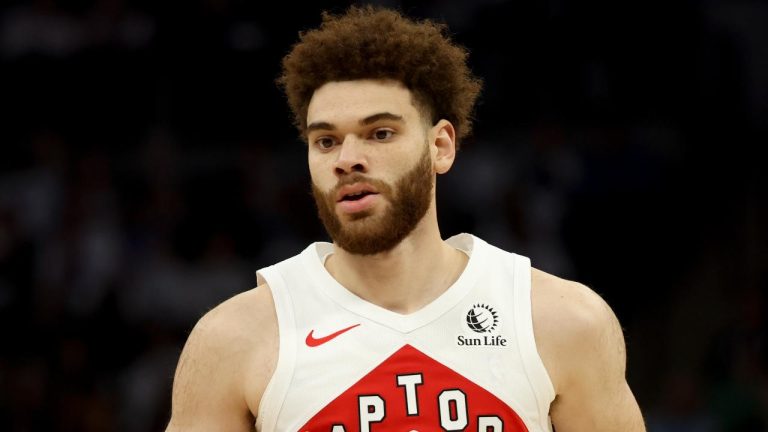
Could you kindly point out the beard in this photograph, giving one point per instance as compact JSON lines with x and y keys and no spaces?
{"x":367,"y":234}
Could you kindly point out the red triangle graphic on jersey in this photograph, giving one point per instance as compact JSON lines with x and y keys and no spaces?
{"x":410,"y":391}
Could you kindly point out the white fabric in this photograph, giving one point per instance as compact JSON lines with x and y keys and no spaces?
{"x":308,"y":299}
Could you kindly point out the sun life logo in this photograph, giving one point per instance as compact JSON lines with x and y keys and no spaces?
{"x":481,"y":318}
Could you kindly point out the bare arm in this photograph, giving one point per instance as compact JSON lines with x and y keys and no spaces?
{"x":219,"y":378}
{"x":582,"y":345}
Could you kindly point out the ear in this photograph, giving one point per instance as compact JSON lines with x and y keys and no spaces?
{"x":444,"y":140}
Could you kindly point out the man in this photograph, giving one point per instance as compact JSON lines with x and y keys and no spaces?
{"x":390,"y":328}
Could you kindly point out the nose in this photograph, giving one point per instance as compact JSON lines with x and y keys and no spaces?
{"x":351,"y":157}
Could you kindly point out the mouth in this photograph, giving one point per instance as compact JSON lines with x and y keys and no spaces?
{"x":355,"y":192}
{"x":356,"y":196}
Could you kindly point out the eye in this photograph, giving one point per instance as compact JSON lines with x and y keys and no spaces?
{"x":383,"y":134}
{"x":325,"y":143}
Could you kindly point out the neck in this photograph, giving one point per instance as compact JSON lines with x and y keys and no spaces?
{"x":406,"y":278}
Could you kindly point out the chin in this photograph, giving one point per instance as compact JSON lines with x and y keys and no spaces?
{"x":358,"y":216}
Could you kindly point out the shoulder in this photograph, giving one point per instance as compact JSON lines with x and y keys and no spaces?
{"x":573,"y":327}
{"x":246,"y":317}
{"x":243,"y":330}
{"x":582,"y":346}
{"x":229,"y":356}
{"x":556,"y":297}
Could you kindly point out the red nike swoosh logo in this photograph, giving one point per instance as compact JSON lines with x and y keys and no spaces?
{"x":313,"y":341}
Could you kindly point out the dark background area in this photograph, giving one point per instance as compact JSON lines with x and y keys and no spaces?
{"x":148,"y":166}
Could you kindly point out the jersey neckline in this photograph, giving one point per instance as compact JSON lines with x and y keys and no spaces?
{"x":404,"y":323}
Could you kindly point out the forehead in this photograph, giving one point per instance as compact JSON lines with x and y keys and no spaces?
{"x":340,"y":101}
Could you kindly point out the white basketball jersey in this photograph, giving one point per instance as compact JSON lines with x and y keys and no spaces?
{"x":465,"y":362}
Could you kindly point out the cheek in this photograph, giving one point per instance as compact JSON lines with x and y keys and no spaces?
{"x":320,"y":170}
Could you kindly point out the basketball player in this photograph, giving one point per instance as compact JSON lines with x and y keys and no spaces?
{"x":391,"y":328}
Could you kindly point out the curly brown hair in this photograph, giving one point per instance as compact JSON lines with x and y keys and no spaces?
{"x":375,"y":43}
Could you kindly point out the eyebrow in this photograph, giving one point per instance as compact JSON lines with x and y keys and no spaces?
{"x":366,"y":121}
{"x":381,"y":116}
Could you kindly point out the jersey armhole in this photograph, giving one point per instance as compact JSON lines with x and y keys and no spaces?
{"x":538,"y":376}
{"x":274,"y":395}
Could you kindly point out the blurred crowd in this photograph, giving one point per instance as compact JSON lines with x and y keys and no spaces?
{"x":148,"y":167}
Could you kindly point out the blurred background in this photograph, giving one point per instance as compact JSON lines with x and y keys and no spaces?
{"x":148,"y":167}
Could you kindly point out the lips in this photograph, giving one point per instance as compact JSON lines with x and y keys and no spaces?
{"x":355,"y":192}
{"x":356,"y":198}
